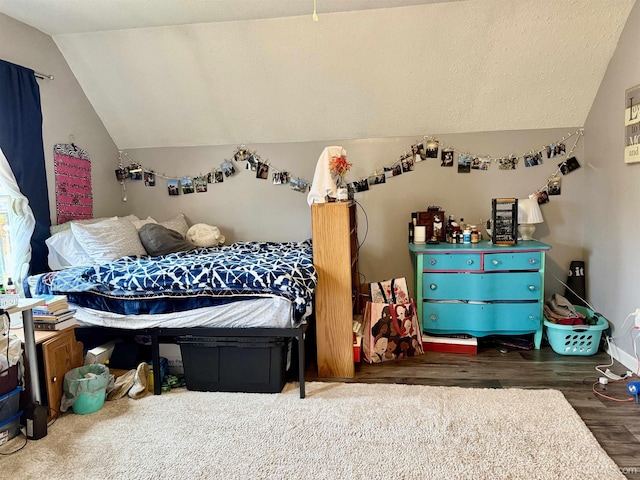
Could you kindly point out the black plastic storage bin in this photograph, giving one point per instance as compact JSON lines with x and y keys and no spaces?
{"x":234,"y":364}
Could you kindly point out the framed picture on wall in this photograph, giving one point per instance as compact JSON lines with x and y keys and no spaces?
{"x":632,"y":125}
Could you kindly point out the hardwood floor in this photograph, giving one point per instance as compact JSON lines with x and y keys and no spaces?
{"x":615,"y":425}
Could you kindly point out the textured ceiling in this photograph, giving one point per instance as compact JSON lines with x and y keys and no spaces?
{"x":426,"y":68}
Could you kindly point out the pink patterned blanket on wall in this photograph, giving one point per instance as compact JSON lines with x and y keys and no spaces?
{"x":74,"y":197}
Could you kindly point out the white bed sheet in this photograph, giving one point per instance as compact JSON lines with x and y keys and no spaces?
{"x":265,"y":312}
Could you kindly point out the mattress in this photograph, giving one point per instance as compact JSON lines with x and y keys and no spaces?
{"x":266,"y":312}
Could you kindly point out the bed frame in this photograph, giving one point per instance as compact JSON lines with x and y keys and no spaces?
{"x":166,"y":335}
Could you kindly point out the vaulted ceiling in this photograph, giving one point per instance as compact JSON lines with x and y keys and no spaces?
{"x":189,"y":72}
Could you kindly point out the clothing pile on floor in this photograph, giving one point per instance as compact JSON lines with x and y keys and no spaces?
{"x":133,"y":383}
{"x":558,"y":309}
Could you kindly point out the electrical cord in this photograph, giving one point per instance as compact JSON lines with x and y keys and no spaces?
{"x":366,"y":223}
{"x":600,"y":394}
{"x":26,"y":440}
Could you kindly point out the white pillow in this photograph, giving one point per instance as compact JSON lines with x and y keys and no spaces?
{"x":108,"y":240}
{"x":65,"y":251}
{"x":67,"y":225}
{"x":140,"y":223}
{"x":178,"y":223}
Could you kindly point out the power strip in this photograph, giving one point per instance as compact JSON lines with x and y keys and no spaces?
{"x":614,"y":376}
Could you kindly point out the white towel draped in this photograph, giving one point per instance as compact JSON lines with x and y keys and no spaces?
{"x":323,"y":183}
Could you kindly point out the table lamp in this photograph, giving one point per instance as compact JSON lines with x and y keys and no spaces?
{"x":528,"y":215}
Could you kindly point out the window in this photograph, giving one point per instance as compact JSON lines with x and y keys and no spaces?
{"x":5,"y":237}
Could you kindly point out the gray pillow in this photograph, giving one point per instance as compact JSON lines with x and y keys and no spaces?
{"x":159,"y":240}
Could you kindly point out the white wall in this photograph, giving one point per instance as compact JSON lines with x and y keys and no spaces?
{"x":246,"y":208}
{"x":65,"y":110}
{"x":612,"y":195}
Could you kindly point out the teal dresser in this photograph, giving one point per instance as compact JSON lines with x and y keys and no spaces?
{"x":480,"y":289}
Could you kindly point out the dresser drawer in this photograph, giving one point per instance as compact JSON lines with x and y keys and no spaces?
{"x":481,"y":319}
{"x":512,"y":261}
{"x":481,"y":286}
{"x":447,"y":261}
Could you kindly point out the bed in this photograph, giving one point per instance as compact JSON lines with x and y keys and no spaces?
{"x":246,"y":289}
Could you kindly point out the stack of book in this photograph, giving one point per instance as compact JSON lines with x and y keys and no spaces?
{"x":55,"y":314}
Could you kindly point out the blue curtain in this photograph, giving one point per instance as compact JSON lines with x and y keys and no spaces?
{"x":21,"y":142}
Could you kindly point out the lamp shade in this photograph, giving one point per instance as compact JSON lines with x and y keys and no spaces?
{"x":529,"y":211}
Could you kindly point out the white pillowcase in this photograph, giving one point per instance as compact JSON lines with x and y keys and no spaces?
{"x":140,"y":223}
{"x":178,"y":223}
{"x":108,"y":240}
{"x":67,"y":225}
{"x":65,"y":251}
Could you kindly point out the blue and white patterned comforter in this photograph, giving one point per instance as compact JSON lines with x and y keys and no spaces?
{"x":241,"y":269}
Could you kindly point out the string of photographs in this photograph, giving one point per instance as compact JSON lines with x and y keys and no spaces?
{"x":430,"y":149}
{"x":186,"y":184}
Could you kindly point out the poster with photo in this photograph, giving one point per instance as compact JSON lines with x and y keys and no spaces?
{"x":555,"y":185}
{"x":262,"y":171}
{"x":419,"y":152}
{"x":280,"y":178}
{"x":377,"y":178}
{"x":407,"y":163}
{"x":543,"y":196}
{"x":252,"y":163}
{"x":135,"y":172}
{"x":299,"y":185}
{"x":173,"y":186}
{"x":228,"y":168}
{"x":241,"y":154}
{"x":533,"y":160}
{"x":218,"y":176}
{"x":464,"y":164}
{"x":508,"y":163}
{"x":485,"y":164}
{"x":446,"y":159}
{"x":360,"y":185}
{"x":200,"y":184}
{"x":187,"y":185}
{"x":149,"y":179}
{"x":431,"y":147}
{"x":569,"y":165}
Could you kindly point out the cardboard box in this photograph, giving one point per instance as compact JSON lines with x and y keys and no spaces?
{"x":99,"y":354}
{"x":172,"y":353}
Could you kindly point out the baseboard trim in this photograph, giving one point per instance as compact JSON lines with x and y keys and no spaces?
{"x":624,"y":358}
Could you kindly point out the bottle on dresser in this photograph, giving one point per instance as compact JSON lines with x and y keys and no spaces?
{"x":448,"y":231}
{"x":10,"y":289}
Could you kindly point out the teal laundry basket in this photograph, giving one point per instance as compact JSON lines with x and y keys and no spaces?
{"x":576,"y":339}
{"x":85,"y":388}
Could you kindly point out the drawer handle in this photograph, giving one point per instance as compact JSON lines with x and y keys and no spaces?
{"x":495,"y":262}
{"x":531,"y":317}
{"x":433,"y":317}
{"x":432,"y":261}
{"x":469,"y":262}
{"x":532,"y":261}
{"x":433,"y":286}
{"x":54,"y":379}
{"x":532,"y":287}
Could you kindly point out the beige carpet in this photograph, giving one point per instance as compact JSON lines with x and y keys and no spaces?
{"x":340,"y":431}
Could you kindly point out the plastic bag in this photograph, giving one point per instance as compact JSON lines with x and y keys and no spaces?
{"x":88,"y":379}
